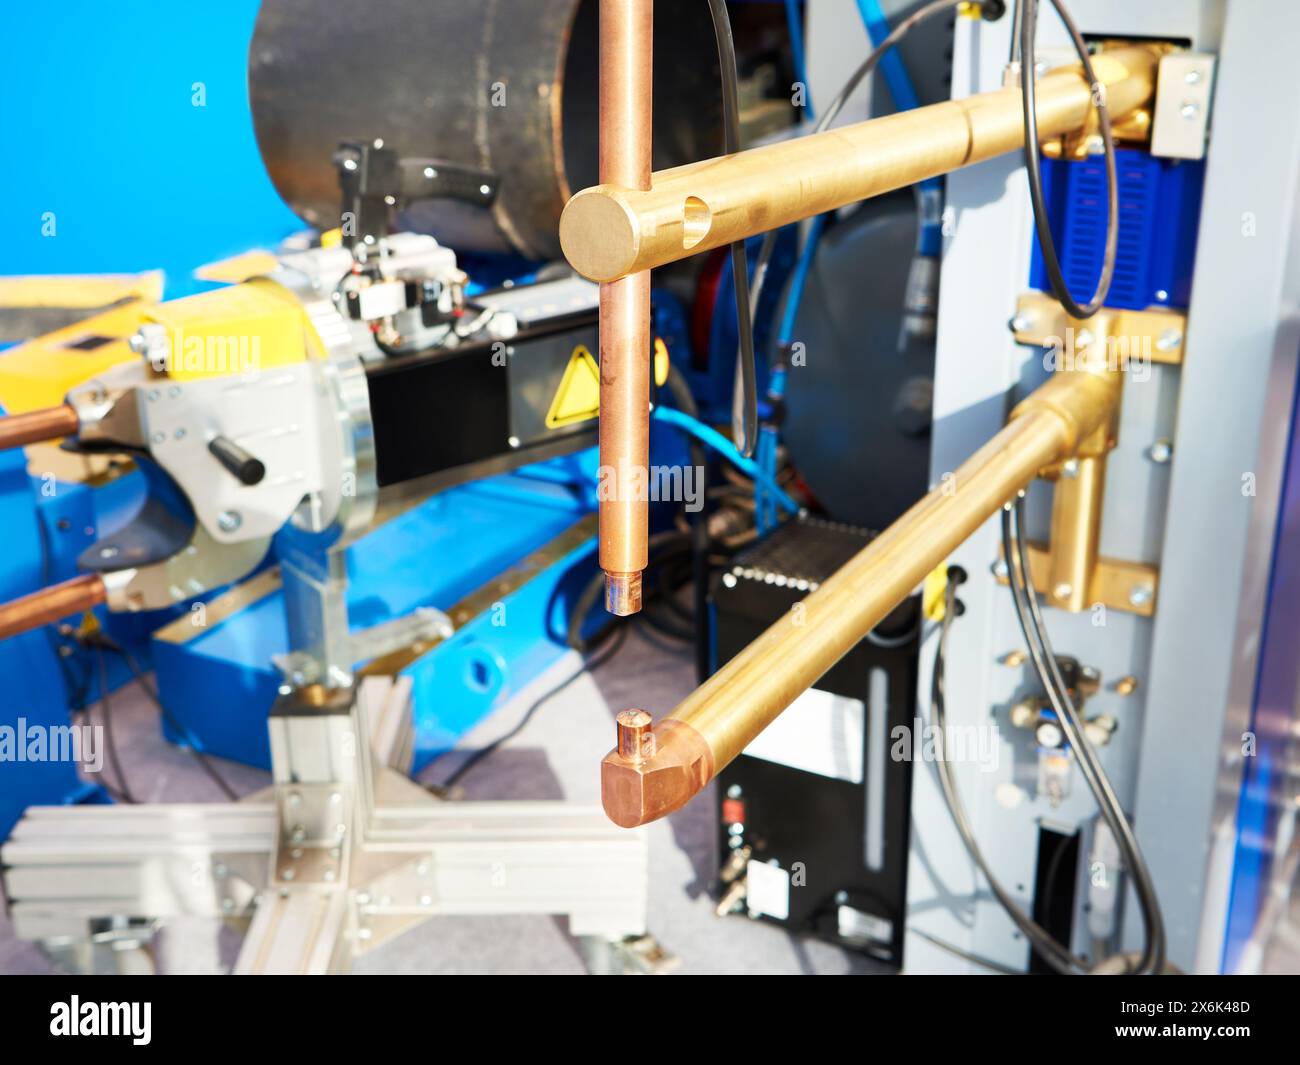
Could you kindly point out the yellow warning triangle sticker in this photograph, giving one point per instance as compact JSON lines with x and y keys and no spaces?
{"x":578,"y":397}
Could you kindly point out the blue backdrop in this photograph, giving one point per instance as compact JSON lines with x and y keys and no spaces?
{"x":129,"y":124}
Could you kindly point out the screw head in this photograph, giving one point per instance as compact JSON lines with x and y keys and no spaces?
{"x":1161,"y":452}
{"x":1063,"y":590}
{"x":1140,"y":594}
{"x":229,"y":520}
{"x":999,"y":569}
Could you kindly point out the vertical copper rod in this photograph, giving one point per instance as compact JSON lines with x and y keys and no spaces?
{"x":50,"y":604}
{"x":19,"y":430}
{"x":626,"y":35}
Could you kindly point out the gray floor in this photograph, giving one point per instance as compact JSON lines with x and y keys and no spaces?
{"x":557,"y":756}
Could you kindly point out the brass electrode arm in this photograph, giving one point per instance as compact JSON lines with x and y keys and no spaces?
{"x":655,"y":770}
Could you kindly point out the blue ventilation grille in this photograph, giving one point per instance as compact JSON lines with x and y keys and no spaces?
{"x":1159,"y":208}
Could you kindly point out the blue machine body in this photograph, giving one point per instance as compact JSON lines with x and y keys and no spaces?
{"x":1159,"y":212}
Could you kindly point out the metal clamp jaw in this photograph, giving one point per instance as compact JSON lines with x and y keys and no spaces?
{"x":230,"y":461}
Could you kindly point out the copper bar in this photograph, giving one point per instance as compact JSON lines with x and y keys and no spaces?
{"x":51,"y":423}
{"x":51,"y":604}
{"x":1076,"y":533}
{"x":626,"y":34}
{"x":612,"y":230}
{"x":715,"y":723}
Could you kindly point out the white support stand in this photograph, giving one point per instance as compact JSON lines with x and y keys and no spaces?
{"x":343,"y":853}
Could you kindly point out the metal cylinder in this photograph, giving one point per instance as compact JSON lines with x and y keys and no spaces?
{"x":50,"y":604}
{"x":608,"y":232}
{"x":719,"y":720}
{"x":32,"y":427}
{"x":505,"y":85}
{"x":626,"y":114}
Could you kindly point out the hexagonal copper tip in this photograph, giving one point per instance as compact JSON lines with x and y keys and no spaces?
{"x":651,"y":773}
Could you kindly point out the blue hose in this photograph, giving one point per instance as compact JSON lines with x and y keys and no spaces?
{"x":724,"y":447}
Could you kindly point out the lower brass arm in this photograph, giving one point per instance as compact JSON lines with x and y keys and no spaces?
{"x":652,"y":772}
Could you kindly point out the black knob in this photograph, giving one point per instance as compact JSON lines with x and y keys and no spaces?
{"x":248,"y":469}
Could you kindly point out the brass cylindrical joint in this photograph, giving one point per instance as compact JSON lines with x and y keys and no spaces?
{"x":626,"y":36}
{"x":721,"y":718}
{"x":50,"y":604}
{"x":33,"y":427}
{"x":612,"y":229}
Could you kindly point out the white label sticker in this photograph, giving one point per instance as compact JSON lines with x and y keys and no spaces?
{"x":767,"y":890}
{"x":819,"y":733}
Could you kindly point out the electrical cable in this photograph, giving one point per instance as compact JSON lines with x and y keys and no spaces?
{"x":1016,"y":551}
{"x":745,"y":405}
{"x":832,"y":112}
{"x":1033,"y":163}
{"x":710,"y":436}
{"x":588,"y":665}
{"x":965,"y":955}
{"x":106,"y":713}
{"x":1048,"y":948}
{"x":681,"y":393}
{"x":192,"y":745}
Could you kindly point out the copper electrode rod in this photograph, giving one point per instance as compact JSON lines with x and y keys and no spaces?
{"x":612,"y":230}
{"x":652,"y":772}
{"x":626,"y":35}
{"x":51,"y":423}
{"x":51,"y":604}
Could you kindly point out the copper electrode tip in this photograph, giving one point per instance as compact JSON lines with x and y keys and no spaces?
{"x":635,"y":740}
{"x":623,"y":593}
{"x":33,"y":427}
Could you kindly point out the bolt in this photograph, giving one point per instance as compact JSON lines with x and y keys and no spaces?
{"x":1161,"y":451}
{"x":299,"y":833}
{"x":1126,"y":685}
{"x":286,"y":874}
{"x":1014,"y":659}
{"x":1063,"y":590}
{"x":153,"y":395}
{"x":1169,"y":340}
{"x":999,"y":569}
{"x":108,"y":552}
{"x":158,"y":438}
{"x":1070,"y":468}
{"x":229,"y":520}
{"x":1021,"y":323}
{"x":1140,"y":594}
{"x":1192,"y":77}
{"x":513,"y":441}
{"x":180,"y":433}
{"x":1023,"y":715}
{"x":734,"y":792}
{"x":1189,"y":110}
